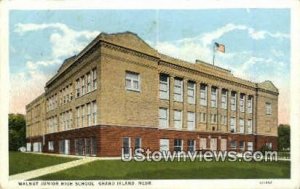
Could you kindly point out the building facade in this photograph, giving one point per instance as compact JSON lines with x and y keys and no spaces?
{"x":120,"y":92}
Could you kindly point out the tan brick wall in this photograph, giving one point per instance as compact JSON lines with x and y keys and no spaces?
{"x":35,"y":117}
{"x":119,"y":106}
{"x":267,"y":124}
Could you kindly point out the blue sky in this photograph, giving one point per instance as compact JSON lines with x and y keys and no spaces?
{"x":257,"y":42}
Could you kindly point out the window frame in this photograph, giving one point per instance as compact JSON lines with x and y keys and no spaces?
{"x":233,"y":101}
{"x":178,"y":146}
{"x":233,"y":124}
{"x":224,"y":99}
{"x":164,"y":94}
{"x":178,"y":120}
{"x":268,"y":108}
{"x":166,"y":119}
{"x":191,"y":98}
{"x":129,"y":77}
{"x":178,"y":96}
{"x":242,"y":125}
{"x":191,"y":120}
{"x":250,"y":105}
{"x":203,"y":94}
{"x":191,"y":148}
{"x":242,"y":102}
{"x":214,"y":97}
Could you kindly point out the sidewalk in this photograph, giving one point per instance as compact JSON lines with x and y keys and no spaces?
{"x":51,"y":169}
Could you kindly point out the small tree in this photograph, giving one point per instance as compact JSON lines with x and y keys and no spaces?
{"x":283,"y":137}
{"x":17,"y":131}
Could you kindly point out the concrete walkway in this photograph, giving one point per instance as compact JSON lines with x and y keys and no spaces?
{"x":51,"y":169}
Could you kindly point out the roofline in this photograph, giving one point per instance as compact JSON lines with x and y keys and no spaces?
{"x":158,"y":57}
{"x":35,"y":100}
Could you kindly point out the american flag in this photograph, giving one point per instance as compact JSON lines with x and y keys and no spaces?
{"x":220,"y":47}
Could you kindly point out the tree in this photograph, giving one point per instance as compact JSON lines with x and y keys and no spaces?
{"x":17,"y":131}
{"x":283,"y":137}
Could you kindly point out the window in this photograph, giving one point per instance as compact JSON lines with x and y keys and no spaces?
{"x":89,"y":116}
{"x":163,"y":86}
{"x":233,"y":101}
{"x":233,"y":144}
{"x":178,"y":145}
{"x":82,"y":85}
{"x":203,"y":117}
{"x":268,"y":108}
{"x":191,"y":145}
{"x":214,"y":97}
{"x":269,"y":145}
{"x":249,"y":126}
{"x":89,"y":82}
{"x":203,"y":95}
{"x":78,"y":88}
{"x":164,"y":145}
{"x":71,"y":92}
{"x":213,"y":118}
{"x":178,"y":90}
{"x":242,"y":145}
{"x":94,"y":73}
{"x":232,"y":125}
{"x":242,"y":102}
{"x":163,"y":118}
{"x":70,"y":119}
{"x":132,"y":81}
{"x":213,"y":144}
{"x":61,"y":146}
{"x":191,"y":92}
{"x":224,"y":99}
{"x":191,"y":120}
{"x":82,"y":116}
{"x":203,"y":145}
{"x":242,"y":125}
{"x":223,"y":119}
{"x":78,"y":117}
{"x":137,"y":143}
{"x":249,"y":105}
{"x":178,"y":119}
{"x":126,"y":146}
{"x":250,"y":146}
{"x":94,"y":112}
{"x":51,"y":145}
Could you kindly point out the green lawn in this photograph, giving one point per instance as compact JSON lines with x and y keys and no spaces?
{"x":116,"y":169}
{"x":22,"y":162}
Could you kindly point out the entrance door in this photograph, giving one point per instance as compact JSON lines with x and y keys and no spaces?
{"x":164,"y":145}
{"x":87,"y":147}
{"x":223,"y":144}
{"x":67,"y":147}
{"x":213,"y":144}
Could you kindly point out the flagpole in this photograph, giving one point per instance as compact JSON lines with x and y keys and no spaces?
{"x":214,"y":54}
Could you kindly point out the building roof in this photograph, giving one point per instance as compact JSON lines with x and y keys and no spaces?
{"x":133,"y":42}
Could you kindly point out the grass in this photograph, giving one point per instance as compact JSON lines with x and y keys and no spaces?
{"x":22,"y":162}
{"x":116,"y":169}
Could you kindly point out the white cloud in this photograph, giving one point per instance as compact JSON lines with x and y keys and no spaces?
{"x":64,"y":40}
{"x":209,"y":37}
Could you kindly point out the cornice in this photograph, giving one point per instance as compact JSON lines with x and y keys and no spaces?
{"x":207,"y":75}
{"x":128,"y":51}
